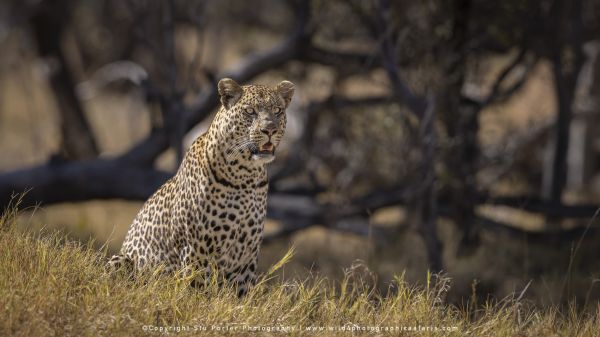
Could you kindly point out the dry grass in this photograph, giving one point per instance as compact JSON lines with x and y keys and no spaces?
{"x":50,"y":286}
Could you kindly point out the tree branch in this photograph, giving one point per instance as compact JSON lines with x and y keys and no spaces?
{"x":565,"y":235}
{"x":537,"y":205}
{"x":80,"y":181}
{"x":402,"y":91}
{"x":145,"y":152}
{"x":348,"y":62}
{"x":503,"y":75}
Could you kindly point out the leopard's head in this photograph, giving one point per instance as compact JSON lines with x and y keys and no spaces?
{"x":253,"y":119}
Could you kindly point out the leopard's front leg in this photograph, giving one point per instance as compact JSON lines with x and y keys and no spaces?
{"x":246,"y":278}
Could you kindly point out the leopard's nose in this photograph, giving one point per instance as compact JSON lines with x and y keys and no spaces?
{"x":269,"y":129}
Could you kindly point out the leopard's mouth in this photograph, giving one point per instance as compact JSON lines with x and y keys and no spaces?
{"x":266,"y":148}
{"x":265,"y":152}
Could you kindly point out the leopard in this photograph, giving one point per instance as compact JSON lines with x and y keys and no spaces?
{"x":210,"y":215}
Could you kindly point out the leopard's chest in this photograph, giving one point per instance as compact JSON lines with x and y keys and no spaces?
{"x":230,"y":224}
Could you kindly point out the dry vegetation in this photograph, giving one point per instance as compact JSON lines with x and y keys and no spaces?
{"x":51,"y":286}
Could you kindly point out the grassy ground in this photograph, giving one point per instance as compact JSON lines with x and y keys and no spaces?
{"x":50,"y":286}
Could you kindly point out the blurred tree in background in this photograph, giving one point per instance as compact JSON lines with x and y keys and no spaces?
{"x":398,"y":105}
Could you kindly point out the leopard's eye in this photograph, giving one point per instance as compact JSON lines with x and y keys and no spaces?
{"x":250,"y":111}
{"x":278,"y":111}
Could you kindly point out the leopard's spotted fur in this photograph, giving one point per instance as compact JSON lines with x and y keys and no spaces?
{"x":212,"y":212}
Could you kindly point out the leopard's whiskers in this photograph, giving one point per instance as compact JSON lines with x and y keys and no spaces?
{"x":233,"y":152}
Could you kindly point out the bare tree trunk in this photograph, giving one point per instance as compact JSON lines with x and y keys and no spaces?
{"x":461,"y":122}
{"x":567,"y":58}
{"x":427,"y":203}
{"x":173,"y":110}
{"x":77,"y":141}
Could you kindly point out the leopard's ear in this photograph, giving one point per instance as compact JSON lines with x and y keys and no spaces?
{"x":286,"y":91}
{"x":230,"y":92}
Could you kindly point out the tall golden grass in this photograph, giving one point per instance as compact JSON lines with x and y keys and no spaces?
{"x":51,"y":286}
